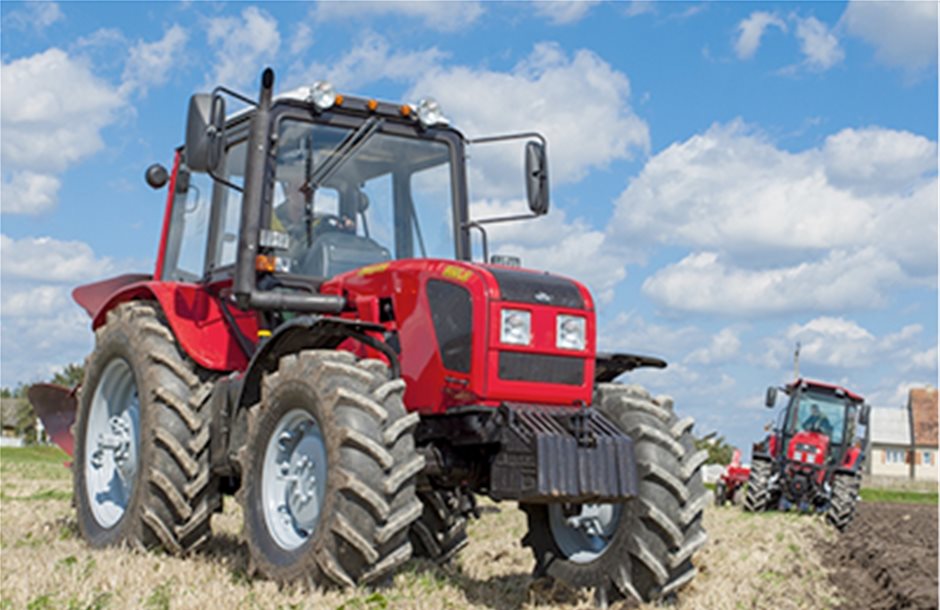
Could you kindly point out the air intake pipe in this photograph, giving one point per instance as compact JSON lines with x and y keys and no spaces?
{"x":245,"y":289}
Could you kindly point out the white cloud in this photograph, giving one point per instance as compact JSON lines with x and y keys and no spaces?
{"x":781,"y":230}
{"x":35,"y":15}
{"x":149,"y":63}
{"x":723,"y":346}
{"x":819,"y":46}
{"x":301,"y":39}
{"x":242,"y":47}
{"x":562,"y":12}
{"x":631,"y":332}
{"x":28,"y":192}
{"x":751,"y":30}
{"x":371,"y":60}
{"x":50,"y":260}
{"x":440,"y":16}
{"x":706,"y":283}
{"x":52,"y":112}
{"x":33,"y":301}
{"x":553,"y":243}
{"x":590,"y":132}
{"x":904,"y":34}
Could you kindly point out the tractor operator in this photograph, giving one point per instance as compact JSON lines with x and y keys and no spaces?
{"x":817,"y":422}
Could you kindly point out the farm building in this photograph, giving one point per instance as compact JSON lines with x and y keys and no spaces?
{"x":897,"y":435}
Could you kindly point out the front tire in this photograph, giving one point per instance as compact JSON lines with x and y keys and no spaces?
{"x":329,"y":470}
{"x":141,"y":472}
{"x":441,"y":532}
{"x":642,"y":548}
{"x":841,"y":509}
{"x":757,"y":498}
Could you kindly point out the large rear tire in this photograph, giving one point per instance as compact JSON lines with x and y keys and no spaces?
{"x":141,"y":471}
{"x":757,"y":498}
{"x":328,"y":472}
{"x":841,"y":509}
{"x":642,"y":548}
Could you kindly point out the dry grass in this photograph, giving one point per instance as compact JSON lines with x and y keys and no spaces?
{"x":750,"y":562}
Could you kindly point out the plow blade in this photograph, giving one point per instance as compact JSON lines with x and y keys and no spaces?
{"x":56,"y":406}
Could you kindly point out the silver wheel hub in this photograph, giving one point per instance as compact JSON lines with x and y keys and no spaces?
{"x":293,"y":477}
{"x":111,"y":443}
{"x":583,"y":532}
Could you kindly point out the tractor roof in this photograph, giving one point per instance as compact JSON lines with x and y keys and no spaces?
{"x":810,"y":383}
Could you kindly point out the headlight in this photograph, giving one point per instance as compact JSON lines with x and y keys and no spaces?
{"x":322,"y":94}
{"x":515,"y":326}
{"x":429,"y":113}
{"x":570,"y":332}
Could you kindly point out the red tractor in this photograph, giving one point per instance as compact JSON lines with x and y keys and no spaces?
{"x":731,"y":484}
{"x":316,"y":340}
{"x":812,"y":459}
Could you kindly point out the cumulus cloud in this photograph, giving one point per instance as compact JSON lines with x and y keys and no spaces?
{"x":722,"y":347}
{"x":819,"y":46}
{"x":774,"y":231}
{"x":598,"y":128}
{"x":149,"y":63}
{"x":562,"y":12}
{"x":242,"y":46}
{"x":34,"y":15}
{"x":440,"y":16}
{"x":372,"y":59}
{"x":904,"y":34}
{"x":50,"y":260}
{"x":52,"y":112}
{"x":751,"y":30}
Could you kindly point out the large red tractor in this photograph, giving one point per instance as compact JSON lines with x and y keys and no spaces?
{"x":316,"y":339}
{"x":812,"y":459}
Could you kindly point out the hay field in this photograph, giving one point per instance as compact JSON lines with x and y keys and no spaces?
{"x":750,"y":561}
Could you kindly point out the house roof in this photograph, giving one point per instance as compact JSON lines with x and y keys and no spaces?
{"x":889,"y":426}
{"x":923,"y":405}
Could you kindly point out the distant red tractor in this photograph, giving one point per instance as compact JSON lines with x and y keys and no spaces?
{"x":731,"y":483}
{"x":812,"y":459}
{"x":316,"y":339}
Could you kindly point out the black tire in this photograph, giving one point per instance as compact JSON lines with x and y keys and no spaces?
{"x":845,"y":488}
{"x":649,"y":556}
{"x":757,"y":498}
{"x":441,"y":532}
{"x":361,"y":534}
{"x":720,"y":492}
{"x":174,"y":494}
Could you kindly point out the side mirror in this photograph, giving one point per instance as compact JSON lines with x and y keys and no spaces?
{"x":536,"y":177}
{"x":771,"y":399}
{"x":205,"y":128}
{"x":864,"y":414}
{"x":156,"y":176}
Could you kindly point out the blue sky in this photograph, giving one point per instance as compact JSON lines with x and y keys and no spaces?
{"x":728,"y":178}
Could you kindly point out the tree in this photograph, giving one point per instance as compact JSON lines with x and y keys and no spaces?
{"x":719,"y":451}
{"x":70,"y":376}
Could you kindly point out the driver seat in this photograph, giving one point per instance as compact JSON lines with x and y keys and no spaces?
{"x":337,"y":252}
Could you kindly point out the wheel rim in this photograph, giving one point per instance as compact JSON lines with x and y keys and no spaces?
{"x":584,"y":531}
{"x":293,"y":479}
{"x":112,"y":440}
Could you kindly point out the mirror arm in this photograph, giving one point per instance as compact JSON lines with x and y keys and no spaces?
{"x":479,"y":227}
{"x":235,"y":94}
{"x":508,"y":136}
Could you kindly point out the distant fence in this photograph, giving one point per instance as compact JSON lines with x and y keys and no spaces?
{"x":900,"y":483}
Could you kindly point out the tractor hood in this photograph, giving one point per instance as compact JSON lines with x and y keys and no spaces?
{"x":471,"y":334}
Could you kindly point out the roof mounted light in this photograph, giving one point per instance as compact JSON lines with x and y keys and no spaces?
{"x":322,"y":95}
{"x":429,"y":112}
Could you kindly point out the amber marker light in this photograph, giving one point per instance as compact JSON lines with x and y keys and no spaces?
{"x":405,"y":110}
{"x":264,"y":262}
{"x":339,"y":100}
{"x":372,"y":105}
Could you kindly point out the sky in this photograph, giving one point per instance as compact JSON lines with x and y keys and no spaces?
{"x":728,"y":179}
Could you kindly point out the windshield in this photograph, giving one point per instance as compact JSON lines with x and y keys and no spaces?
{"x":347,"y":198}
{"x":821,"y":413}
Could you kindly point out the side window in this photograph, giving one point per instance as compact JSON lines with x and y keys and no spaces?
{"x":229,"y":207}
{"x":430,"y":191}
{"x":378,"y":213}
{"x":189,"y":227}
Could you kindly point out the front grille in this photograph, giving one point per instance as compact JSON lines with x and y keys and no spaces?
{"x":452,"y":316}
{"x":521,"y":366}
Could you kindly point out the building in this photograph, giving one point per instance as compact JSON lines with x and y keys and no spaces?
{"x":895,"y":436}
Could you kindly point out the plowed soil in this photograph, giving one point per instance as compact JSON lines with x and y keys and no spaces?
{"x":886,"y":558}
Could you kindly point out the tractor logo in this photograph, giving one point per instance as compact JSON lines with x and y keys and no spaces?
{"x":543,"y":297}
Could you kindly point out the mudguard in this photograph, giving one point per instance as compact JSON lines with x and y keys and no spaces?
{"x":56,"y":406}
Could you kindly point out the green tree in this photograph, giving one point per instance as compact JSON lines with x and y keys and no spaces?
{"x":70,"y":376}
{"x":719,"y":451}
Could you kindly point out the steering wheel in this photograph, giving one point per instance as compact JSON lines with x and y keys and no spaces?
{"x":333,"y":222}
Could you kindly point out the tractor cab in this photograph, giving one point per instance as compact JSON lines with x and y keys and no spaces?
{"x":819,"y":421}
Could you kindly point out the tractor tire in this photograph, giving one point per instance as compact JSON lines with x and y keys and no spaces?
{"x":441,"y":532}
{"x":645,"y":546}
{"x":757,"y":498}
{"x":841,"y":509}
{"x":720,"y":492}
{"x":141,"y":470}
{"x":328,"y":472}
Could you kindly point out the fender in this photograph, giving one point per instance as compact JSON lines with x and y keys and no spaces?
{"x":851,"y":461}
{"x":194,"y":314}
{"x":610,"y":366}
{"x":308,"y":332}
